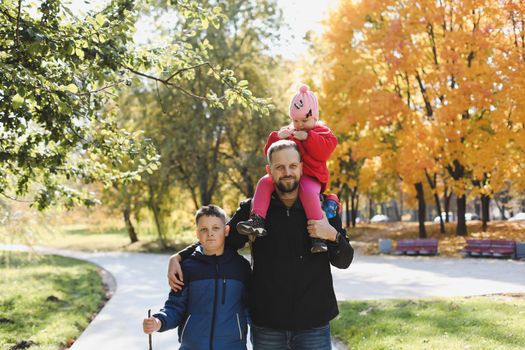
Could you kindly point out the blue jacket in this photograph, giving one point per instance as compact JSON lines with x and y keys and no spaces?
{"x":210,"y":311}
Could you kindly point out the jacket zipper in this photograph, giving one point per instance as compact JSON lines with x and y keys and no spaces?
{"x":223,"y":290}
{"x":287,"y":211}
{"x":239,"y":325}
{"x":184,"y":328}
{"x":214,"y":305}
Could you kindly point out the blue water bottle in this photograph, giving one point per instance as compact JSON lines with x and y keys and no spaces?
{"x":330,"y":208}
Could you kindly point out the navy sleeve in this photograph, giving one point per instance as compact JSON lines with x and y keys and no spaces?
{"x":172,"y":314}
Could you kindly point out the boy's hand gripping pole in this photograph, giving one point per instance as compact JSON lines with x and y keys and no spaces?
{"x":149,"y":335}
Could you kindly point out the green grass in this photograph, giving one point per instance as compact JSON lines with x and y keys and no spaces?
{"x":490,"y":322}
{"x":92,"y":237}
{"x":47,"y":299}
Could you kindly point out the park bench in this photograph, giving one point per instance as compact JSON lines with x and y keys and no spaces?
{"x":498,"y":248}
{"x":520,"y":250}
{"x":420,"y":246}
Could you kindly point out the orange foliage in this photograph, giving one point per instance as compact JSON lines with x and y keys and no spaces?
{"x":423,"y":84}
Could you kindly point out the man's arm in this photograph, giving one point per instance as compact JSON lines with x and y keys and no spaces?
{"x":175,"y":275}
{"x":235,"y":240}
{"x":339,"y":249}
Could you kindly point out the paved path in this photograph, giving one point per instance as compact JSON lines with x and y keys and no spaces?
{"x":141,"y":284}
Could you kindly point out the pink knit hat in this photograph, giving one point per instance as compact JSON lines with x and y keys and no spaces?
{"x":303,"y":104}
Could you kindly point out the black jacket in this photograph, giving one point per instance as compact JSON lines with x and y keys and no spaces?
{"x":291,"y":288}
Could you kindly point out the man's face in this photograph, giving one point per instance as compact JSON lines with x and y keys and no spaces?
{"x":211,"y":232}
{"x":285,"y":169}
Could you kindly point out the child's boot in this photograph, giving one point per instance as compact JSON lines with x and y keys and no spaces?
{"x":252,"y":227}
{"x":318,"y":246}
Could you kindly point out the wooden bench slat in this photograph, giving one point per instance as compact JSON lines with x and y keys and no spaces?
{"x":486,"y":247}
{"x":422,"y":246}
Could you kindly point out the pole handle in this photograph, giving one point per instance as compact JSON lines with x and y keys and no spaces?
{"x":149,"y":335}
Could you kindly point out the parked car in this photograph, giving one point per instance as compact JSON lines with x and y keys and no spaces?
{"x":518,"y":217}
{"x":471,"y":216}
{"x":451,"y":216}
{"x":379,"y":218}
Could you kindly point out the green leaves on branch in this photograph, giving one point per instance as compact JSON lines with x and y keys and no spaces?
{"x":59,"y":75}
{"x":56,"y":74}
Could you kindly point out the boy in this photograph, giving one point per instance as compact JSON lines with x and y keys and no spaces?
{"x":210,"y":310}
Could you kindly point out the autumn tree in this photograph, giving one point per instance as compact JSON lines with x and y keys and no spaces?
{"x":445,"y":66}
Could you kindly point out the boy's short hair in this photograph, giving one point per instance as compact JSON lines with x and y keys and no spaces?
{"x":210,"y":210}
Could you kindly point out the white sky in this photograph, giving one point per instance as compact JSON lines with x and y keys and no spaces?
{"x":300,"y":15}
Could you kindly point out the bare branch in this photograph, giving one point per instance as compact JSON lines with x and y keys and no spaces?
{"x":18,"y":23}
{"x":102,"y":89}
{"x":165,"y":82}
{"x":188,"y":68}
{"x":14,"y":199}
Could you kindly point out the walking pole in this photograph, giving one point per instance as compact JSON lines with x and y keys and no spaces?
{"x":149,"y":335}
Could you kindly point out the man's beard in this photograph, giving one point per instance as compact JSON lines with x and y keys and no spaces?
{"x":289,"y":186}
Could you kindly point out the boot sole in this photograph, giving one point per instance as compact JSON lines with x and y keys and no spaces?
{"x":250,"y":231}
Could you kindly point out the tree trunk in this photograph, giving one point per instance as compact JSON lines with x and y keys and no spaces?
{"x":396,"y":210}
{"x":477,"y":207}
{"x":347,"y":210}
{"x":370,"y":208}
{"x":355,"y":202}
{"x":401,"y":209}
{"x":461,"y":228}
{"x":438,"y":208}
{"x":501,"y":209}
{"x":432,"y":181}
{"x":421,"y":210}
{"x":447,"y":198}
{"x":159,"y":225}
{"x":129,"y":226}
{"x":485,"y":212}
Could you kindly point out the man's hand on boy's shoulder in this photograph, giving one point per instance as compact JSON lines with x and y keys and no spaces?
{"x":175,"y":275}
{"x":151,"y":325}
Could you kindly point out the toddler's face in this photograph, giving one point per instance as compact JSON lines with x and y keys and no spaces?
{"x":304,"y":124}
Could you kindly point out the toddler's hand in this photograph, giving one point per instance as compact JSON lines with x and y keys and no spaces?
{"x":300,"y":135}
{"x":284,"y":133}
{"x":151,"y":325}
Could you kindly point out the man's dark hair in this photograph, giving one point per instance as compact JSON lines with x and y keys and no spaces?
{"x":210,"y":210}
{"x":280,"y":145}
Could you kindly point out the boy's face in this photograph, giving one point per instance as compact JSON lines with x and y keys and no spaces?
{"x":211,"y":232}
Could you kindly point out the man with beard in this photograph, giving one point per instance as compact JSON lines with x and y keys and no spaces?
{"x":292,"y":299}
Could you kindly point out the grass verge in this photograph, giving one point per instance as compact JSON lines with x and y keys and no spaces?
{"x":46,"y":301}
{"x":487,"y":322}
